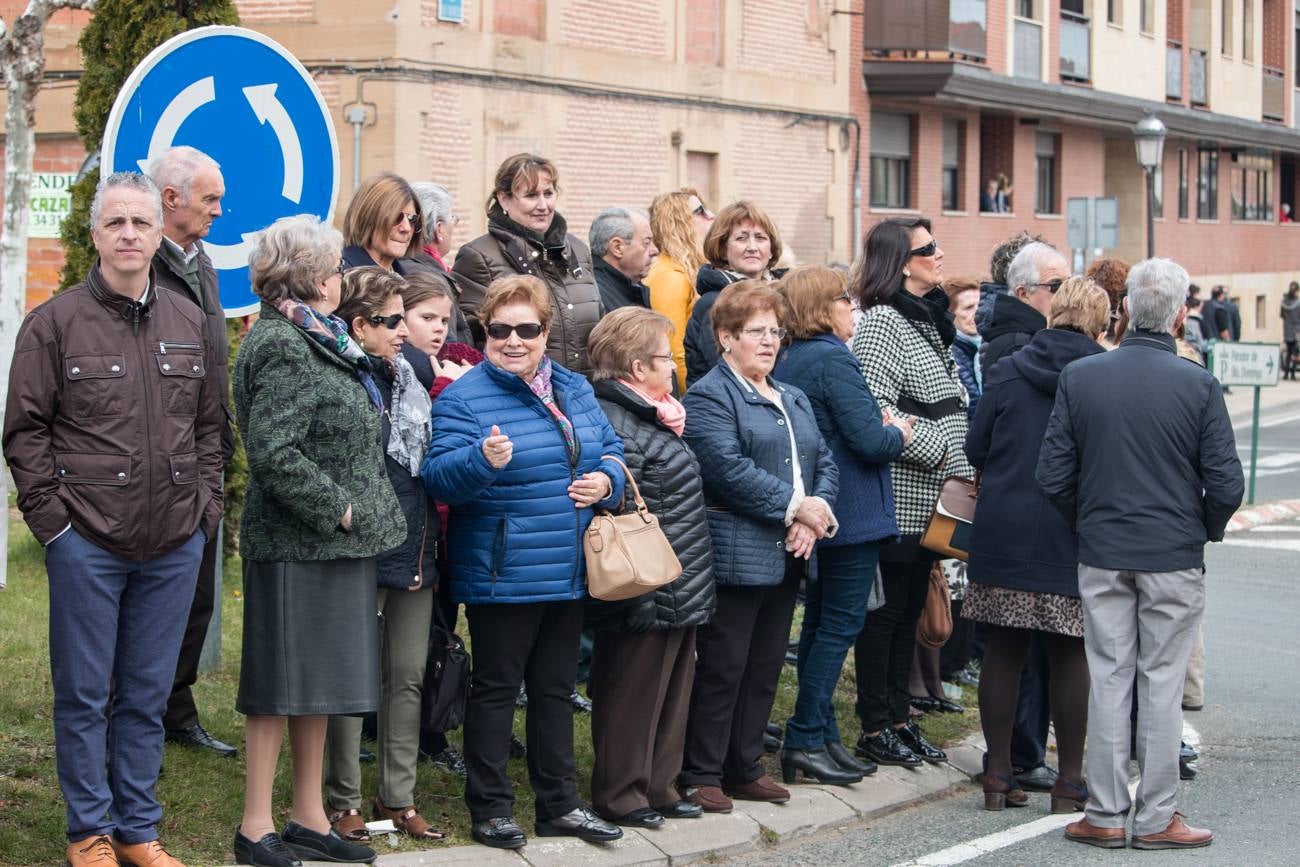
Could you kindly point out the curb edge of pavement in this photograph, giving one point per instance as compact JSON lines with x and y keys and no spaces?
{"x":1264,"y":513}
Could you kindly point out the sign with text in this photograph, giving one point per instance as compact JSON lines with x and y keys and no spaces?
{"x":51,"y":200}
{"x":1245,"y":363}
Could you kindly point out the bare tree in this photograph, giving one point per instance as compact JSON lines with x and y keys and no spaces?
{"x":22,"y":63}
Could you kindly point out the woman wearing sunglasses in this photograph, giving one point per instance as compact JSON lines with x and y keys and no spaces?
{"x":903,"y":344}
{"x":518,"y":453}
{"x":371,"y":304}
{"x":383,"y":224}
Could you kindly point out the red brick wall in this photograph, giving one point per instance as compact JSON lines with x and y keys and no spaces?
{"x":45,"y":255}
{"x":1052,"y":29}
{"x":526,"y":18}
{"x":631,"y":26}
{"x":996,"y":138}
{"x":784,"y":37}
{"x":1277,"y":32}
{"x":254,"y":11}
{"x":446,"y":141}
{"x":703,"y":30}
{"x":997,"y":36}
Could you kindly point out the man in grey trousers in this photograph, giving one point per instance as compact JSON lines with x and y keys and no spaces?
{"x":1140,"y":456}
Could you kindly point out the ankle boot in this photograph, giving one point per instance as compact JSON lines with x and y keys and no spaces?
{"x":817,"y":764}
{"x":1000,"y":791}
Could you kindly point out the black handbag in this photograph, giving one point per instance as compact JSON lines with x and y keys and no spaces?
{"x":446,"y":678}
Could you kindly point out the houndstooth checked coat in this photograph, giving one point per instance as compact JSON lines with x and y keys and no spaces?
{"x":910,"y":371}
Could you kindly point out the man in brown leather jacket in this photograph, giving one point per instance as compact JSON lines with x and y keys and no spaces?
{"x":113,"y":434}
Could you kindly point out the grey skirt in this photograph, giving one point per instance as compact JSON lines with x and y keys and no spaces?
{"x":311,"y":638}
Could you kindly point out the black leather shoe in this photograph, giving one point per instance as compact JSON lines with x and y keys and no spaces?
{"x":197,"y":736}
{"x":680,"y":810}
{"x":365,"y":756}
{"x":581,"y":704}
{"x":499,"y":832}
{"x":771,"y":744}
{"x":518,"y":750}
{"x":580,"y":823}
{"x":450,"y":760}
{"x":945,"y":706}
{"x":925,"y":704}
{"x":911,"y":735}
{"x":1039,"y":779}
{"x":642,"y":817}
{"x":270,"y":851}
{"x":842,"y":757}
{"x":1186,"y":752}
{"x":1185,"y":769}
{"x":311,"y":845}
{"x":817,"y":764}
{"x":886,"y":749}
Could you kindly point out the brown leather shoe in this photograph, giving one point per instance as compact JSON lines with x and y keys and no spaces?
{"x":710,"y":798}
{"x":150,"y":854}
{"x":1084,"y":831}
{"x":1179,"y":835}
{"x":762,"y":789}
{"x":94,"y":851}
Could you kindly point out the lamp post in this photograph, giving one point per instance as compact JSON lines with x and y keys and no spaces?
{"x":1149,"y":136}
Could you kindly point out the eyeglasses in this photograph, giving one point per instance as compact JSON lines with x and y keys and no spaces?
{"x":452,"y":220}
{"x":412,"y":219}
{"x":843,"y":296}
{"x":760,"y":333}
{"x":1051,"y":287}
{"x":525,"y":330}
{"x":928,"y":250}
{"x":389,"y":322}
{"x":340,"y":268}
{"x":702,"y":211}
{"x":667,"y":358}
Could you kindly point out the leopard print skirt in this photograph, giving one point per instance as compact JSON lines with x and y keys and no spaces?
{"x":1024,"y":609}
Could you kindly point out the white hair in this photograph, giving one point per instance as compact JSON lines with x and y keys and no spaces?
{"x":1028,"y":266}
{"x":1157,"y":290}
{"x":435,"y":202}
{"x":128,"y":180}
{"x":176,"y":167}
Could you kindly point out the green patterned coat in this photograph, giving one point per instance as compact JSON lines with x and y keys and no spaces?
{"x":314,"y":447}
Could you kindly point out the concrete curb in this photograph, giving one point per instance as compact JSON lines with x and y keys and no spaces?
{"x":1265,"y":513}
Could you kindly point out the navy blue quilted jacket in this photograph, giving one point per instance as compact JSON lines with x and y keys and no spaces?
{"x":743,"y":446}
{"x":514,"y":534}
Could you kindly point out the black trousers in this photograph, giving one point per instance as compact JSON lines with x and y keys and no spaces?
{"x":181,"y":711}
{"x":739,"y":658}
{"x":883,"y":652}
{"x":536,"y":643}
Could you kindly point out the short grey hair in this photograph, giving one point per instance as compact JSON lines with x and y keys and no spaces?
{"x":1027,"y":268}
{"x":609,"y":224}
{"x":435,"y":202}
{"x":176,"y":167}
{"x":126,"y":180}
{"x":1157,"y":290}
{"x":291,"y":255}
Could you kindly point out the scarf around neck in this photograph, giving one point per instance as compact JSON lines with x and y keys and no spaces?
{"x":554,"y":239}
{"x":669,"y":409}
{"x":332,"y":333}
{"x":540,"y":385}
{"x":931,"y":307}
{"x":410,"y":417}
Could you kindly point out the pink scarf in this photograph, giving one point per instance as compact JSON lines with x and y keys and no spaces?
{"x":671,"y":412}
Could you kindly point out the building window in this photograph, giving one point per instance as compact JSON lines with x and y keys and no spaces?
{"x":1207,"y":185}
{"x":1225,"y":38}
{"x":1046,"y":145}
{"x":1025,"y":8}
{"x":891,"y":160}
{"x":1248,"y":30}
{"x":1252,"y":187}
{"x":953,"y":130}
{"x":1182,"y":183}
{"x":1261,"y":311}
{"x":1115,"y":12}
{"x":1147,"y":16}
{"x":702,"y":174}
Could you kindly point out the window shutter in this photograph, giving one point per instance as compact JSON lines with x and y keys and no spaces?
{"x":951,"y":128}
{"x":891,"y":135}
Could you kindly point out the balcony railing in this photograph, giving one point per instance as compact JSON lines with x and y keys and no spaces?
{"x":1174,"y":71}
{"x":1274,"y":94}
{"x":1197,"y":77}
{"x":958,"y":28}
{"x":1076,"y":46}
{"x":1029,"y":49}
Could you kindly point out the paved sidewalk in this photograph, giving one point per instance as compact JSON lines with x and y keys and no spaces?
{"x":1274,"y":400}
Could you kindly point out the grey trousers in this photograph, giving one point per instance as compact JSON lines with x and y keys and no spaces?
{"x":1143,"y":621}
{"x":402,"y":657}
{"x":1194,"y":686}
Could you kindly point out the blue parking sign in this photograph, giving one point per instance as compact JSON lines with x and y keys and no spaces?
{"x":244,"y":100}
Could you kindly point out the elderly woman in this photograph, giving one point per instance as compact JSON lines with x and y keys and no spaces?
{"x":435,"y":246}
{"x":742,"y":244}
{"x":526,"y":235}
{"x":382,"y":224}
{"x":643,"y":663}
{"x":516,"y":556}
{"x":863,"y":443}
{"x":769,"y":480}
{"x":1024,"y":555}
{"x":318,"y":508}
{"x":679,"y":222}
{"x":903,"y":344}
{"x":371,"y":303}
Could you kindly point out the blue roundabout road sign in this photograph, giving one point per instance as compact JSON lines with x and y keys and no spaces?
{"x":244,"y":100}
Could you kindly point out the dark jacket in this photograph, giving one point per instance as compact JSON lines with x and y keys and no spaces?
{"x":1019,"y":540}
{"x":562,"y":261}
{"x":1140,"y":458}
{"x":668,"y":475}
{"x":849,"y":420}
{"x":514,"y":534}
{"x":422,"y":262}
{"x":1009,"y":325}
{"x":314,"y":448}
{"x":743,"y":446}
{"x":1234,"y":320}
{"x":112,"y":423}
{"x":617,"y":291}
{"x":1210,"y":323}
{"x":701,"y":348}
{"x":201,"y":288}
{"x":965,"y":351}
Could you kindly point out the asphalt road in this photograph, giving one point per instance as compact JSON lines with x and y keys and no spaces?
{"x":1277,"y":474}
{"x":1248,"y":786}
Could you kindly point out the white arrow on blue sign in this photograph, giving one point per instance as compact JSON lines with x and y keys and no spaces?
{"x":248,"y":103}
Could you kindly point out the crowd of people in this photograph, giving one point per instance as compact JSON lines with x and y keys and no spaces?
{"x":422,"y":437}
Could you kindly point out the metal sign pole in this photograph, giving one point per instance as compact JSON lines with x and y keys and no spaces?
{"x":1254,"y":448}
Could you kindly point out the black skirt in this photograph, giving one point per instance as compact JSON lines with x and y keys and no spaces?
{"x":311,"y":638}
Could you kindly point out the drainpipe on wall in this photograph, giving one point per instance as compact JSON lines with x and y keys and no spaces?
{"x":356,"y":115}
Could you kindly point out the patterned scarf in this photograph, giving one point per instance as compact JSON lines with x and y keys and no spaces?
{"x":541,"y":386}
{"x":412,"y":425}
{"x":332,"y":333}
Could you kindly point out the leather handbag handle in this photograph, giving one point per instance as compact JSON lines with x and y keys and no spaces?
{"x":636,"y":491}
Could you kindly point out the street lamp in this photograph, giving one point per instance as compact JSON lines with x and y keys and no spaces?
{"x":1149,"y":136}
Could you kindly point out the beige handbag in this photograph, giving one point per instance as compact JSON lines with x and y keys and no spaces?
{"x":628,"y":555}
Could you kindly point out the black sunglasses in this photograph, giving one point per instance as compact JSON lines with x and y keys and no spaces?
{"x":702,"y":211}
{"x":1050,"y":287}
{"x":389,"y":322}
{"x":525,"y":330}
{"x":928,"y":250}
{"x":413,"y":219}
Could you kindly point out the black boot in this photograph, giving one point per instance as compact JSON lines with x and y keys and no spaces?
{"x":842,"y":757}
{"x":816,"y":764}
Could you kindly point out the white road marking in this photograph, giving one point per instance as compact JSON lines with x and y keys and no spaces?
{"x":1272,"y":422}
{"x":1282,"y":459}
{"x":1275,"y":528}
{"x":1273,"y":544}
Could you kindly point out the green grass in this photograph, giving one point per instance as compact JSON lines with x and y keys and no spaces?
{"x":202,"y":794}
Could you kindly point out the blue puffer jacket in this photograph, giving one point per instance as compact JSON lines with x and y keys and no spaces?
{"x":514,"y":534}
{"x":849,"y":418}
{"x":743,"y":446}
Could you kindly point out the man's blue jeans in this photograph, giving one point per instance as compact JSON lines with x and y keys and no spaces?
{"x":835,"y":608}
{"x":121,"y":621}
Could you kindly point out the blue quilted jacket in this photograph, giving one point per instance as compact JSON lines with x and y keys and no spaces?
{"x":514,"y":534}
{"x":743,"y":446}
